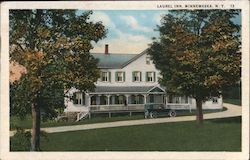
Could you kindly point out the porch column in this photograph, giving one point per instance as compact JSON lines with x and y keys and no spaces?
{"x":108,"y":96}
{"x":113,"y":99}
{"x":166,"y":99}
{"x":127,"y":98}
{"x":89,"y":99}
{"x":86,"y":96}
{"x":189,"y":104}
{"x":145,"y":98}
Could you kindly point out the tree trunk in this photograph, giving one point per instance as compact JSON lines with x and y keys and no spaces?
{"x":199,"y":113}
{"x":35,"y":135}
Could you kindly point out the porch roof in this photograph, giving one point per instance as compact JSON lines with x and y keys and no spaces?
{"x":124,"y":89}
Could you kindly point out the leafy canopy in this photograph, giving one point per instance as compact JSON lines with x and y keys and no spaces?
{"x":53,"y":45}
{"x":198,"y":52}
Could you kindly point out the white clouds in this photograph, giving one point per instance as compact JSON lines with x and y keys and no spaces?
{"x":158,"y":19}
{"x":159,"y":16}
{"x":101,"y":16}
{"x":143,"y":16}
{"x":132,"y":22}
{"x":131,"y":37}
{"x":124,"y":43}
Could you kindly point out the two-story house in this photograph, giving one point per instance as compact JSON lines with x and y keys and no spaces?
{"x":127,"y":82}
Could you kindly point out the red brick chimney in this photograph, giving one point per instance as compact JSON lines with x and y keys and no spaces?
{"x":106,"y":49}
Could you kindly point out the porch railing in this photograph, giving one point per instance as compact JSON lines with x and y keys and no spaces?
{"x":122,"y":107}
{"x":116,"y":107}
{"x":181,"y":106}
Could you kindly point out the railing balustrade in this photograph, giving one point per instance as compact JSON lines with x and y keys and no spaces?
{"x":117,"y":107}
{"x":183,"y":106}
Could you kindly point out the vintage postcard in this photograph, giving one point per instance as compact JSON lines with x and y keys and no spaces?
{"x":125,"y":80}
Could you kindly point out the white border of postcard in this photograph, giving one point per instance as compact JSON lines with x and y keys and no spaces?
{"x":122,"y":5}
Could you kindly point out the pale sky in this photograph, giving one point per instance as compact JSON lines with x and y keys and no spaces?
{"x":129,"y":31}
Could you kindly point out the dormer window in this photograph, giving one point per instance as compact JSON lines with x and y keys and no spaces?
{"x":120,"y":76}
{"x":147,"y":60}
{"x":150,"y":76}
{"x":105,"y":76}
{"x":136,"y":76}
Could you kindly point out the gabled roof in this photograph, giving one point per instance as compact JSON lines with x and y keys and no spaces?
{"x":113,"y":61}
{"x":135,"y":58}
{"x":156,"y":89}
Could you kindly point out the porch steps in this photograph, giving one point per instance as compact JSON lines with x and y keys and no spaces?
{"x":82,"y":115}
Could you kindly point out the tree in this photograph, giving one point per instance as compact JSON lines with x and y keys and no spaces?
{"x":198,"y":53}
{"x":53,"y":46}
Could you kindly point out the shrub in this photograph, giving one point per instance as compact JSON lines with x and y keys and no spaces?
{"x":20,"y":141}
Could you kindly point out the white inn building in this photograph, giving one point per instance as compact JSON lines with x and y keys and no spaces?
{"x":126,"y":83}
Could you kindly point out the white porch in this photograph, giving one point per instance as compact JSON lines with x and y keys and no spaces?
{"x":109,"y":99}
{"x":131,"y":99}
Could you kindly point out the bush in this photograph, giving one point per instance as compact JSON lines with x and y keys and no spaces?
{"x":20,"y":141}
{"x":233,"y":92}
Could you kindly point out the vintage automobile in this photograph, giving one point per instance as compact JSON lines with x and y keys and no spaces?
{"x":153,"y":110}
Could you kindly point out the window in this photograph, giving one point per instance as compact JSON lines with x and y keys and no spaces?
{"x":120,"y":76}
{"x":215,"y":100}
{"x":136,"y":76}
{"x":120,"y":100}
{"x":78,"y":98}
{"x":176,"y":99}
{"x":137,"y":99}
{"x":150,"y":76}
{"x":184,"y":99}
{"x":105,"y":76}
{"x":151,"y":98}
{"x":147,"y":60}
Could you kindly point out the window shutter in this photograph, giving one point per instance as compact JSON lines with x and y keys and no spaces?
{"x":124,"y":77}
{"x":101,"y":75}
{"x":154,"y":76}
{"x":116,"y":76}
{"x":74,"y":98}
{"x":133,"y":76}
{"x":83,"y":98}
{"x":109,"y":76}
{"x":140,"y":76}
{"x":146,"y":76}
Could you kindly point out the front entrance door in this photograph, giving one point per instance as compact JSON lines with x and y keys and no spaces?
{"x":151,"y":98}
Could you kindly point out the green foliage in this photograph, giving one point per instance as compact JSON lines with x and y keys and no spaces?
{"x":198,"y":52}
{"x":233,"y":101}
{"x":20,"y":141}
{"x":53,"y":45}
{"x":232,"y":92}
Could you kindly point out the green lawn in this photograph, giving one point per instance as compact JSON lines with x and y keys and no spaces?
{"x":214,"y":135}
{"x":233,"y":101}
{"x":98,"y":118}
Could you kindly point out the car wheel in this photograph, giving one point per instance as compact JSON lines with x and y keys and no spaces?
{"x":172,"y":113}
{"x":153,"y":114}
